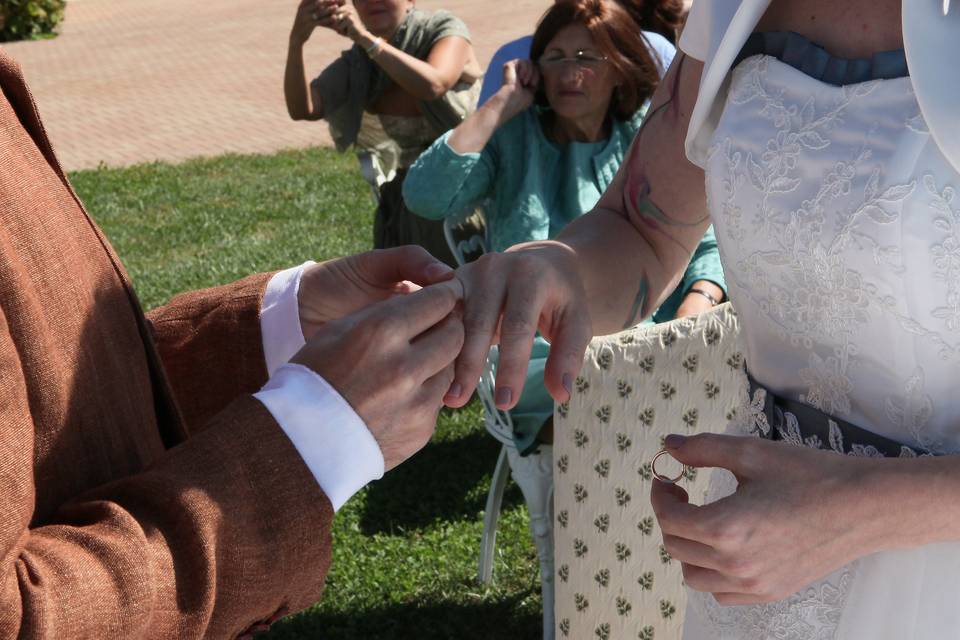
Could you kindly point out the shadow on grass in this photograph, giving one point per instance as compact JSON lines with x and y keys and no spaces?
{"x":497,"y":620}
{"x":447,"y":480}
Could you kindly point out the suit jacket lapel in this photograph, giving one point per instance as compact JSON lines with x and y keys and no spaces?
{"x":172,"y":427}
{"x":14,"y":87}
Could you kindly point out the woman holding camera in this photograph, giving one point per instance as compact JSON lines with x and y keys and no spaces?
{"x":409,"y":76}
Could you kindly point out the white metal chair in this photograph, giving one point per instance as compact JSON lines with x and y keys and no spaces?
{"x":368,"y":170}
{"x":532,"y":473}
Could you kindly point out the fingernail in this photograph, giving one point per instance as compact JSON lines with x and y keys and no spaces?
{"x":455,"y":391}
{"x":674,"y":441}
{"x":568,"y":383}
{"x":438,"y":270}
{"x":504,"y":396}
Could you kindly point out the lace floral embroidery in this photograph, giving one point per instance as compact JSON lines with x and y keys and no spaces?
{"x":803,"y":271}
{"x":810,"y":614}
{"x":827,"y":232}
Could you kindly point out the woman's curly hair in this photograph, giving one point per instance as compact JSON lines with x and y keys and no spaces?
{"x":617,"y":36}
{"x":665,"y":17}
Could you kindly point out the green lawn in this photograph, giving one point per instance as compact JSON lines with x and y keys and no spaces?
{"x":405,"y":548}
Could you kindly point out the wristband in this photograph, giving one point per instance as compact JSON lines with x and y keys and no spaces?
{"x":374,"y":48}
{"x":706,"y":294}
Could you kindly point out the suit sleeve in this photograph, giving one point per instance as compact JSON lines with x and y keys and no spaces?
{"x":211,"y":346}
{"x":225,"y":530}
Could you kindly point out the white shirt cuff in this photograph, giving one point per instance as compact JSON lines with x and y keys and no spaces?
{"x":328,"y":434}
{"x":280,"y":318}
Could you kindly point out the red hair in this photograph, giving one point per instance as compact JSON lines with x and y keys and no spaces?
{"x":661,"y":16}
{"x":617,"y":36}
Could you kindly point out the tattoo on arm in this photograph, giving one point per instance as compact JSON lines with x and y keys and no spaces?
{"x":637,"y":206}
{"x":640,"y":207}
{"x":639,"y":302}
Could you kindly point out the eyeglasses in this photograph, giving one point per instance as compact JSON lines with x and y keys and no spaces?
{"x":583,"y":61}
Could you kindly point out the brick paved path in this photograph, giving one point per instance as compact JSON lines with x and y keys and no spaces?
{"x":131,"y":81}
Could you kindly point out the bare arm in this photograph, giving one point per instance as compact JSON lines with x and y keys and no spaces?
{"x":423,"y":79}
{"x":516,"y":95}
{"x":633,"y":247}
{"x":301,"y":105}
{"x":605,"y":271}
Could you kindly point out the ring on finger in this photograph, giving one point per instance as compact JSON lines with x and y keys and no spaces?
{"x":663,"y":478}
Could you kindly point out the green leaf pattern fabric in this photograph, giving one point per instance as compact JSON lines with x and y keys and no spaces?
{"x":614,"y":579}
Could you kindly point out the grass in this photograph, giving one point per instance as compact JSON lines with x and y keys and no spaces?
{"x":405,"y":548}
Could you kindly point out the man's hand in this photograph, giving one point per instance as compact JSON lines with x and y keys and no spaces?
{"x":393,"y":362}
{"x":337,"y":288}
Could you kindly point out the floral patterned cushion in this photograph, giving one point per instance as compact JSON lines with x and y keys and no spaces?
{"x":614,"y":579}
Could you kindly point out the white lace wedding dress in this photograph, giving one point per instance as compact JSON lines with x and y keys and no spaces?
{"x":839,"y":229}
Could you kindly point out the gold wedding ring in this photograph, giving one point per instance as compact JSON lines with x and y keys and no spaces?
{"x":662,"y":478}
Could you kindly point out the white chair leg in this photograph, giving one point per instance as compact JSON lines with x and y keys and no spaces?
{"x":534,"y":475}
{"x":488,"y":540}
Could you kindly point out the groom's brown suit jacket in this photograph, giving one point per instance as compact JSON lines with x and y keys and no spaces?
{"x":143,"y":491}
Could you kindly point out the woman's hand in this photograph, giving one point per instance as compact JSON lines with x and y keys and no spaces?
{"x":346,"y":21}
{"x":507,"y":298}
{"x":797,"y":515}
{"x":312,"y":14}
{"x":520,"y":81}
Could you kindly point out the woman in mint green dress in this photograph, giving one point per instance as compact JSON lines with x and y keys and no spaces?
{"x":545,"y":147}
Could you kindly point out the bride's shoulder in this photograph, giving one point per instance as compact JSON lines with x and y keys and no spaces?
{"x":707,"y":24}
{"x":931,"y":38}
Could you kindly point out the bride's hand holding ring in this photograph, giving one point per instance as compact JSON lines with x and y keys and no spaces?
{"x":797,"y":515}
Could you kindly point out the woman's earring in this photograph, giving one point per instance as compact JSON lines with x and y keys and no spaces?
{"x":946,"y":7}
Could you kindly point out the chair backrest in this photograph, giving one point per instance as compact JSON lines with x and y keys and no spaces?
{"x":465,"y":244}
{"x":614,"y":580}
{"x":369,"y":172}
{"x":498,"y":423}
{"x":465,"y":248}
